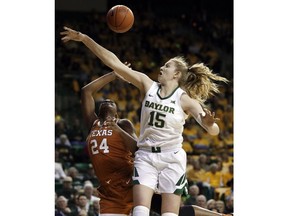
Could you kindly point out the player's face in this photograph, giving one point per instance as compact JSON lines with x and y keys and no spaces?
{"x":108,"y":104}
{"x":167,"y":72}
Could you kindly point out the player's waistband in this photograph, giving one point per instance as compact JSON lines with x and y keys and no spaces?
{"x":155,"y":149}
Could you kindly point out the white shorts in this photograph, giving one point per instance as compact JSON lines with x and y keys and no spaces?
{"x":164,"y":172}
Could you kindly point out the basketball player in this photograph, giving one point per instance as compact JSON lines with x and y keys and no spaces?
{"x":110,"y":143}
{"x":181,"y":90}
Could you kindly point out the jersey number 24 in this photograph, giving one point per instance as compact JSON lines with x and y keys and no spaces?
{"x":103,"y":146}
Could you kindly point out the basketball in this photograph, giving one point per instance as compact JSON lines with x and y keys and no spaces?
{"x":120,"y":18}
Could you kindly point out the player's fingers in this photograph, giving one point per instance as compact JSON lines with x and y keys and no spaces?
{"x":207,"y":111}
{"x":64,"y":39}
{"x":66,"y":28}
{"x":128,"y":64}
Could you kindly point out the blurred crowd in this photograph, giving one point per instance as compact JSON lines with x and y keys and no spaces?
{"x":197,"y":36}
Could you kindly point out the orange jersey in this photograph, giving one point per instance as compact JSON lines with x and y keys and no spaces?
{"x":113,"y":166}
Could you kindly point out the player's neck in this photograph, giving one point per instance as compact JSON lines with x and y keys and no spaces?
{"x":166,"y":90}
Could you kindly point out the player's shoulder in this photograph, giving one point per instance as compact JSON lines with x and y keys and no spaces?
{"x":154,"y":85}
{"x":124,"y":122}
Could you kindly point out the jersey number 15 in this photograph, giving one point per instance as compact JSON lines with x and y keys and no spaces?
{"x":156,"y":119}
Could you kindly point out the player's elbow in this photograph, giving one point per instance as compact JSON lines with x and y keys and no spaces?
{"x":214,"y":130}
{"x":84,"y":90}
{"x":214,"y":133}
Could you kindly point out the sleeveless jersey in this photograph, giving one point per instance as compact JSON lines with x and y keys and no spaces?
{"x":162,"y":119}
{"x":113,"y":166}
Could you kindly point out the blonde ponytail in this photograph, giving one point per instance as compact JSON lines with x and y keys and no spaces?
{"x":198,"y":80}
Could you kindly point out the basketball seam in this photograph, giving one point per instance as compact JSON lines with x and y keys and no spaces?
{"x":115,"y":16}
{"x":123,"y":18}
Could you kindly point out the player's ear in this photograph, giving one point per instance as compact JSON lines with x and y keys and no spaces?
{"x":177,"y":74}
{"x":116,"y":116}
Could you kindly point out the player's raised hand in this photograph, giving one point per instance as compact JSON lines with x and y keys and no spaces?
{"x":70,"y":34}
{"x":209,"y":118}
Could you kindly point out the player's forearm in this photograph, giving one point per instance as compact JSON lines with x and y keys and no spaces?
{"x":111,"y":60}
{"x":106,"y":56}
{"x":99,"y":83}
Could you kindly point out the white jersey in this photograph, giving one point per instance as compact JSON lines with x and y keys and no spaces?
{"x":162,"y":119}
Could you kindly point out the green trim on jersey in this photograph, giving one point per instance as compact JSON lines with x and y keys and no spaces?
{"x":168,"y":95}
{"x":136,"y":182}
{"x":135,"y":172}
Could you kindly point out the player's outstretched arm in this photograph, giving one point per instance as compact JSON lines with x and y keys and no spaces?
{"x":140,"y":80}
